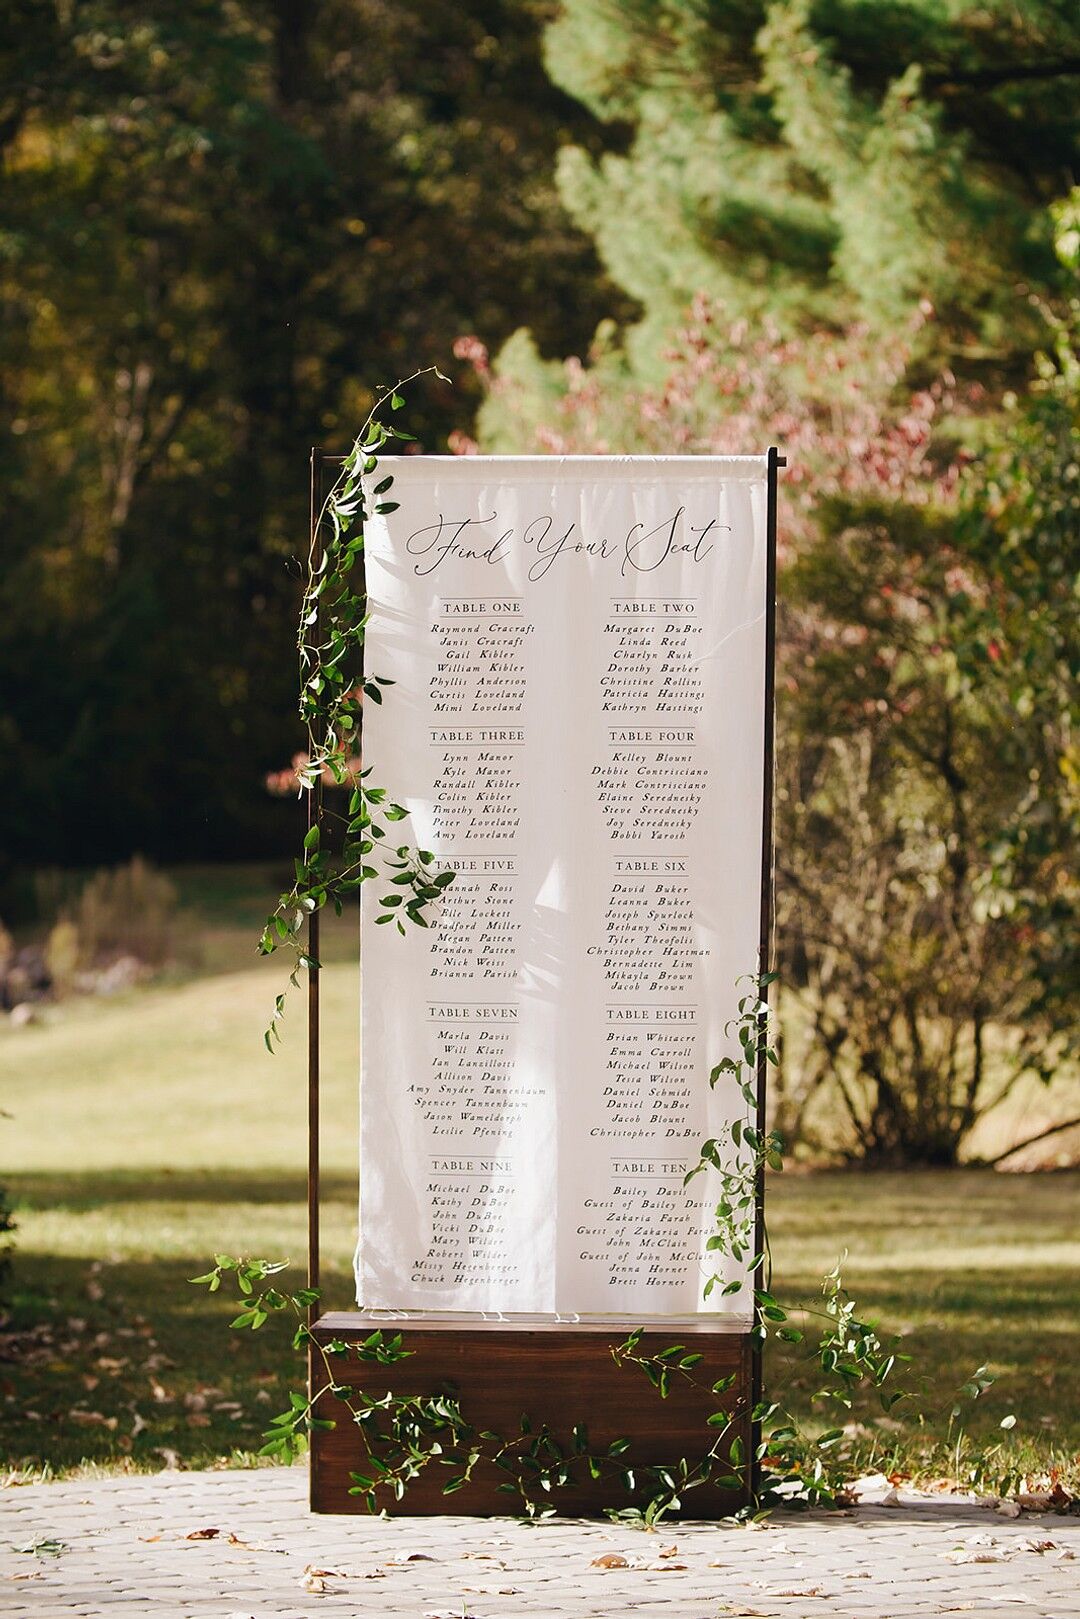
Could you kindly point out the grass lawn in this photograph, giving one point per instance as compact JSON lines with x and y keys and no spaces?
{"x":152,"y":1130}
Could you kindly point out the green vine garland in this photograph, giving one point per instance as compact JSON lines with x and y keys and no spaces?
{"x":334,"y":686}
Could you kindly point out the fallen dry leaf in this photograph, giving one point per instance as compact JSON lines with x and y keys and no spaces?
{"x":985,"y":1549}
{"x":610,"y":1560}
{"x":1008,"y":1509}
{"x":992,"y":1554}
{"x":203,"y":1534}
{"x":668,"y":1551}
{"x":317,"y":1581}
{"x":93,"y":1419}
{"x":1042,"y":1500}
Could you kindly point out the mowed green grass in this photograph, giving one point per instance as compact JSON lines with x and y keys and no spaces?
{"x":150,"y":1131}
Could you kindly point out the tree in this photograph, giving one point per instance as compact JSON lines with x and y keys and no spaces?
{"x":821,"y":165}
{"x":840,"y":225}
{"x":928,"y":911}
{"x":927,"y":774}
{"x":225,"y":224}
{"x":932,"y":761}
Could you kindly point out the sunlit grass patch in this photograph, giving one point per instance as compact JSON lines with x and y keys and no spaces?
{"x":151,"y":1131}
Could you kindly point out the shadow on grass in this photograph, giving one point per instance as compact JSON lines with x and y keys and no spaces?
{"x":128,"y":1362}
{"x":150,"y":1372}
{"x":95,"y":1190}
{"x":114,"y":1357}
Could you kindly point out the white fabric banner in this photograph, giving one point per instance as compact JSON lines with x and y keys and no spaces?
{"x":577,"y":728}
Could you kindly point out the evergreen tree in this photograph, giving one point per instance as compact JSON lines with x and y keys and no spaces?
{"x":821,"y":164}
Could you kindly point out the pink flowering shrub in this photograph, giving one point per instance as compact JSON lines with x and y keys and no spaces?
{"x":834,"y":403}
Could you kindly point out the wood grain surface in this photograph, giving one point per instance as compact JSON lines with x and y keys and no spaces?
{"x":553,"y":1375}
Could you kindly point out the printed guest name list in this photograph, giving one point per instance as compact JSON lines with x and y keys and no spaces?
{"x":576,"y":727}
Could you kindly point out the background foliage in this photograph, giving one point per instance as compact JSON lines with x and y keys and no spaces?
{"x":851,"y":234}
{"x":223,"y":224}
{"x":679,"y":225}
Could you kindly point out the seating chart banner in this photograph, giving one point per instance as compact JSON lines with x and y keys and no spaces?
{"x":576,"y":727}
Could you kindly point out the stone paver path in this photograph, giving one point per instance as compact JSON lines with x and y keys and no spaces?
{"x":234,"y":1545}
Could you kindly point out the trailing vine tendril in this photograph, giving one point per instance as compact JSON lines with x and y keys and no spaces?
{"x":334,"y":686}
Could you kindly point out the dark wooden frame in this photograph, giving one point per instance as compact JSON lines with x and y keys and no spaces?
{"x":555,"y":1375}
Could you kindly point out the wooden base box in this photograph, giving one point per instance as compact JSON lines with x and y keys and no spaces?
{"x":556,"y":1376}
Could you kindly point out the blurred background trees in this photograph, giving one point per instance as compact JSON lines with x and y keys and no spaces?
{"x":223,"y":224}
{"x":678,"y":226}
{"x":851,"y":234}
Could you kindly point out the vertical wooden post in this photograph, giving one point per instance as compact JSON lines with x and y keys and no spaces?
{"x":775,"y":462}
{"x":314,"y":818}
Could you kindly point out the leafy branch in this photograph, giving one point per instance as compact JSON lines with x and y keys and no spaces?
{"x":334,"y":686}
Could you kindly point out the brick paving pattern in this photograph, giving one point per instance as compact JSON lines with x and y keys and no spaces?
{"x":124,"y":1546}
